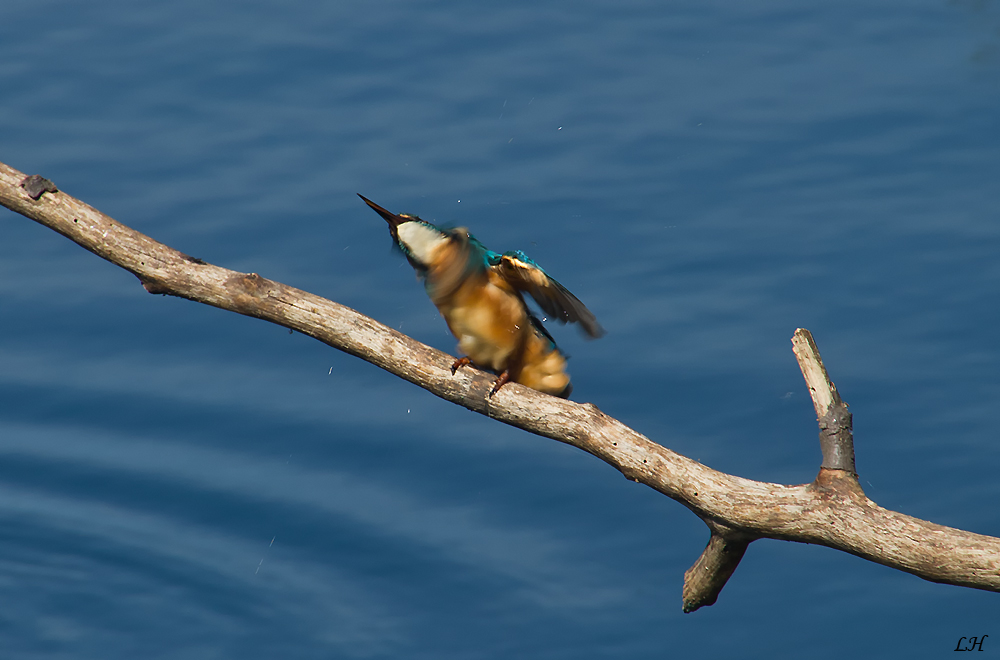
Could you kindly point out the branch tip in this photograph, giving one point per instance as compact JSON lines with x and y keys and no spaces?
{"x":705,"y":579}
{"x":836,"y":440}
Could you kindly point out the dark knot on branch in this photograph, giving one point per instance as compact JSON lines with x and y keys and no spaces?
{"x":36,"y":185}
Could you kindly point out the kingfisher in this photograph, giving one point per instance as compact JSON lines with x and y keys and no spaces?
{"x":480,"y":294}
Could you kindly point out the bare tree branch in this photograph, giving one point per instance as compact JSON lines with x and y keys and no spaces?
{"x":832,"y":511}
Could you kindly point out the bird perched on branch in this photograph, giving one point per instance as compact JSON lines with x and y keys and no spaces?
{"x":480,"y":294}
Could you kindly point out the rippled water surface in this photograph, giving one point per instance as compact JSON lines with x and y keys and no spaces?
{"x":178,"y":481}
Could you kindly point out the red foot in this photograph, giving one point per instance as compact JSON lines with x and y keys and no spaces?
{"x":501,"y":379}
{"x":460,"y":362}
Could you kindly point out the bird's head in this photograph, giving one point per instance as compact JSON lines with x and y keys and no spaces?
{"x":421,"y":242}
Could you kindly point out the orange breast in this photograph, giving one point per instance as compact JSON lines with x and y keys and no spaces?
{"x":491,"y":323}
{"x":488,"y":320}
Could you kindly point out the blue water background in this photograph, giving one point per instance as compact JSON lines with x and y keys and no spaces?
{"x":182,"y":482}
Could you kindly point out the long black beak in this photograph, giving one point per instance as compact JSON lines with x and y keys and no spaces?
{"x":393,"y":219}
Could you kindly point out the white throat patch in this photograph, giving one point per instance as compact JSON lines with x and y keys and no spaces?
{"x":422,"y":241}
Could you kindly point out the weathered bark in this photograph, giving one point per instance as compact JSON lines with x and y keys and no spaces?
{"x":832,"y":511}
